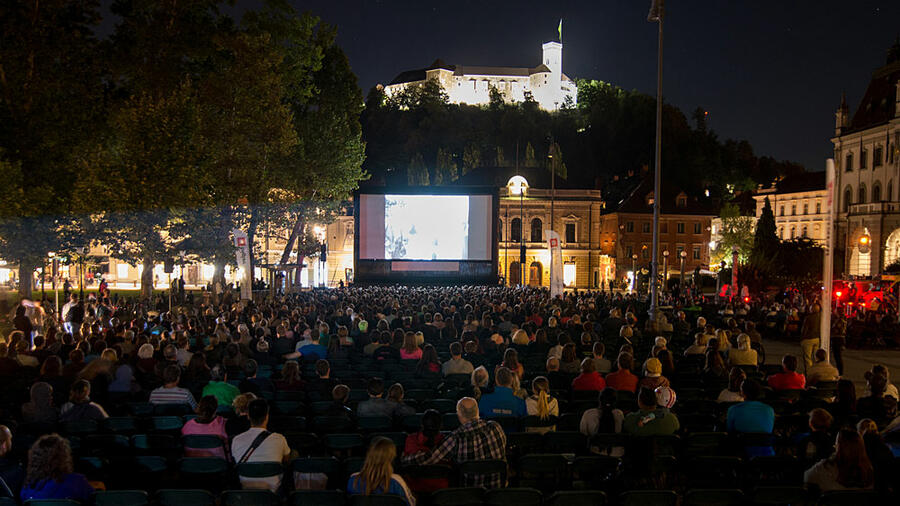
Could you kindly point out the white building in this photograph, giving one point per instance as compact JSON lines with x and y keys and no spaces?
{"x":867,"y":163}
{"x":465,"y":84}
{"x":798,"y":203}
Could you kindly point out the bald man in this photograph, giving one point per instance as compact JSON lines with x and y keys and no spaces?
{"x":10,"y":470}
{"x":475,"y":439}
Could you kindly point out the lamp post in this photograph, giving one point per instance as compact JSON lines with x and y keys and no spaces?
{"x":83,"y":252}
{"x":657,"y":13}
{"x":517,"y":185}
{"x":633,"y":272}
{"x":54,"y":269}
{"x":665,"y":270}
{"x":719,"y":280}
{"x":683,"y":256}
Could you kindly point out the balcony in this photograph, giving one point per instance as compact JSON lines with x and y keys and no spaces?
{"x":874,"y":208}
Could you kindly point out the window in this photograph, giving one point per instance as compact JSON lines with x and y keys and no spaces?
{"x":818,"y":229}
{"x":682,"y":201}
{"x":848,"y":162}
{"x":805,"y":208}
{"x":664,"y":227}
{"x":793,"y":209}
{"x":570,"y":232}
{"x":537,"y":230}
{"x":863,"y":160}
{"x":848,"y":198}
{"x":861,"y":198}
{"x":122,"y":271}
{"x":780,"y":233}
{"x":878,"y":157}
{"x":696,"y":252}
{"x":629,"y":226}
{"x":804,"y":231}
{"x":645,"y":228}
{"x":876,"y":192}
{"x":629,"y":251}
{"x":515,"y":230}
{"x":818,"y":208}
{"x":793,"y":231}
{"x":569,"y":274}
{"x":781,"y":211}
{"x":680,"y":228}
{"x":697,"y":228}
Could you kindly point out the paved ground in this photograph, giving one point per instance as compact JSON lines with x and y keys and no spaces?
{"x":856,"y":362}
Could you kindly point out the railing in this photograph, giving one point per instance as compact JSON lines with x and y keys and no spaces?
{"x":875,"y":208}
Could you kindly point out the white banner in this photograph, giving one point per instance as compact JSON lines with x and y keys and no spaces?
{"x":242,"y":255}
{"x":556,"y":265}
{"x":828,"y":259}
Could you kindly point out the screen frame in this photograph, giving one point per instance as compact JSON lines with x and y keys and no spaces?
{"x":467,"y":267}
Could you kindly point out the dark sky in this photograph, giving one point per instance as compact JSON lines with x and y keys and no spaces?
{"x":770,"y":71}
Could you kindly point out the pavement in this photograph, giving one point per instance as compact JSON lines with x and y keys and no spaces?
{"x":856,"y":362}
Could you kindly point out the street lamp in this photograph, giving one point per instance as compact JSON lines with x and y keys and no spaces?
{"x":657,"y":13}
{"x":683,"y":256}
{"x":518,"y":185}
{"x":665,"y":270}
{"x":633,"y":272}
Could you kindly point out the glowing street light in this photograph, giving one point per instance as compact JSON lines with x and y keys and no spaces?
{"x":518,"y":185}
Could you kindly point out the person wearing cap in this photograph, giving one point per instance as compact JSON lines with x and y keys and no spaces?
{"x":650,"y":419}
{"x":665,"y":397}
{"x":653,"y":377}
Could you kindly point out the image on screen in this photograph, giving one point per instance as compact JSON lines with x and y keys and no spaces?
{"x":426,"y":227}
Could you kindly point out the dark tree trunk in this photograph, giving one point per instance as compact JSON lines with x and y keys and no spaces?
{"x":26,"y":279}
{"x":147,"y":278}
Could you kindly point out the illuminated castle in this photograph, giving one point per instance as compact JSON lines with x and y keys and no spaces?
{"x":465,"y":84}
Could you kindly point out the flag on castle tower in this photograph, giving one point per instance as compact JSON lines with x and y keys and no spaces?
{"x":560,"y":30}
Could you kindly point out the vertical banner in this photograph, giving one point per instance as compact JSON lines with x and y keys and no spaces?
{"x":242,"y":255}
{"x":556,"y":265}
{"x":828,"y":260}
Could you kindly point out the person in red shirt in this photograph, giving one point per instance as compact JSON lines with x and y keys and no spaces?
{"x":623,"y":378}
{"x":789,"y":378}
{"x":589,"y":379}
{"x":425,"y":440}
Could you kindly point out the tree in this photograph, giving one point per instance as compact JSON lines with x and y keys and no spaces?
{"x":51,"y":101}
{"x":471,"y":158}
{"x":736,"y":231}
{"x":530,"y":160}
{"x":445,"y":166}
{"x":557,"y":166}
{"x":765,"y":240}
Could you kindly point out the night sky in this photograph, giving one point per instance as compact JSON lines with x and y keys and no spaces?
{"x":769,"y":71}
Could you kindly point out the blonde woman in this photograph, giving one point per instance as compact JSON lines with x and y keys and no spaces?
{"x":480,"y":381}
{"x":743,"y":355}
{"x":541,"y":404}
{"x":377,"y":474}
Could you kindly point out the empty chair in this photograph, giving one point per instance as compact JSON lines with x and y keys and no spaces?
{"x":180,"y":497}
{"x":166,"y":424}
{"x":119,"y":425}
{"x":697,"y":444}
{"x":713,"y":471}
{"x":648,"y":498}
{"x":713,"y":497}
{"x":120,"y":498}
{"x":775,"y":470}
{"x":458,"y":496}
{"x":577,"y":498}
{"x":595,"y":472}
{"x":249,"y":498}
{"x":377,"y":500}
{"x":522,"y":496}
{"x":849,"y":498}
{"x":51,"y":502}
{"x":107,"y":445}
{"x":374,"y":423}
{"x":483,"y":471}
{"x":204,"y":472}
{"x":79,"y":428}
{"x":546,"y":472}
{"x":565,"y":442}
{"x":317,"y":497}
{"x":779,"y":496}
{"x":307,"y":468}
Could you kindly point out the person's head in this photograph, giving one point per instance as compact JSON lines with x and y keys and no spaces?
{"x":854,"y":467}
{"x":607,"y":398}
{"x":568,"y":353}
{"x":750,"y":389}
{"x":5,"y":440}
{"x":598,"y":350}
{"x":743,"y":341}
{"x":409,"y":342}
{"x":375,"y":387}
{"x":480,"y":377}
{"x":503,"y":377}
{"x":820,"y":420}
{"x":455,"y":349}
{"x":395,"y":392}
{"x":251,"y":368}
{"x":431,"y":423}
{"x":41,"y":394}
{"x":652,"y":367}
{"x":540,"y":386}
{"x":587,"y":366}
{"x":323,"y":368}
{"x":626,"y":333}
{"x":170,"y":353}
{"x":821,"y":355}
{"x":241,"y":403}
{"x":171,"y":375}
{"x":429,"y":354}
{"x":625,"y":361}
{"x":206,"y":409}
{"x":145,"y":352}
{"x":867,"y":426}
{"x":789,"y":363}
{"x":646,"y":399}
{"x":340,"y":393}
{"x":467,"y":410}
{"x":51,"y":367}
{"x":80,"y":392}
{"x":49,"y":458}
{"x":846,"y":393}
{"x":258,"y":412}
{"x":877,"y":384}
{"x":378,"y":467}
{"x":735,"y":377}
{"x":552,"y":364}
{"x":665,"y":397}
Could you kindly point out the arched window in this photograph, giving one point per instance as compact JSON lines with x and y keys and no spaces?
{"x":861,"y":194}
{"x":515,"y":230}
{"x":793,"y":231}
{"x":848,"y":198}
{"x":537,"y":227}
{"x":805,"y":231}
{"x":876,"y":192}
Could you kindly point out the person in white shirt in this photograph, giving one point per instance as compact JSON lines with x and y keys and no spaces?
{"x":260,"y":445}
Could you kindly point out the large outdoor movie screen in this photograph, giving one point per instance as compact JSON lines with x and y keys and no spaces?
{"x":425,"y":227}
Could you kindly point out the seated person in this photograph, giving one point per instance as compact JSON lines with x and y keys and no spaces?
{"x":502,"y":401}
{"x":376,"y":405}
{"x":818,"y":443}
{"x":426,"y":440}
{"x":589,"y":379}
{"x":788,"y":378}
{"x":847,"y":469}
{"x":650,"y":419}
{"x":377,"y":474}
{"x":821,"y":370}
{"x":260,"y":445}
{"x":80,"y":406}
{"x":604,"y":419}
{"x":541,"y":404}
{"x":49,"y":472}
{"x":752,"y":416}
{"x":11,"y":470}
{"x":558,"y":380}
{"x":207,"y":423}
{"x":623,"y":378}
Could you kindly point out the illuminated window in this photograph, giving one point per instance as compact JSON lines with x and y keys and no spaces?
{"x":818,"y":207}
{"x":793,"y":209}
{"x":122,"y":271}
{"x":781,"y":211}
{"x":537,"y":230}
{"x":569,"y":274}
{"x":696,"y":252}
{"x":805,"y":208}
{"x":793,"y":230}
{"x":804,"y":231}
{"x":208,"y":271}
{"x":680,"y":227}
{"x":697,"y":228}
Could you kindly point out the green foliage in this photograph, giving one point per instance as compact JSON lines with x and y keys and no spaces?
{"x":765,"y":240}
{"x":737,"y":230}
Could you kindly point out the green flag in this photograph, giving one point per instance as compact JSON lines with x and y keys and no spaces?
{"x":560,"y":30}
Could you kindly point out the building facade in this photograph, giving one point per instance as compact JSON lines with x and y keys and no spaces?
{"x":546,"y":83}
{"x":867,"y":169}
{"x":798,"y":203}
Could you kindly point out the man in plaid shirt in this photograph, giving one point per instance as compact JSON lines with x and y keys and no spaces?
{"x":475,"y":439}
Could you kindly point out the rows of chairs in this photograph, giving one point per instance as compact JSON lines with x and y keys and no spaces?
{"x":760,"y":496}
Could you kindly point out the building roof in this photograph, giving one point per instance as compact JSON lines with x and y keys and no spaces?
{"x":797,"y":183}
{"x":877,"y":105}
{"x":537,"y":177}
{"x":637,"y":200}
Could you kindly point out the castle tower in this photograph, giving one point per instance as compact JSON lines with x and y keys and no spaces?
{"x":842,"y":116}
{"x":553,"y":60}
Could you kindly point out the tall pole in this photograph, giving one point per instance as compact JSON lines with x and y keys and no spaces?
{"x":654,"y":267}
{"x":506,"y":244}
{"x":522,"y":237}
{"x":828,"y":261}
